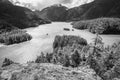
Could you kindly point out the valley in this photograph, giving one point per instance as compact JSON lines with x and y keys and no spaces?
{"x":60,"y":40}
{"x":42,"y":41}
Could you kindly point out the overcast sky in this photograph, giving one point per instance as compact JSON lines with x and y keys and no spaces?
{"x":40,"y":4}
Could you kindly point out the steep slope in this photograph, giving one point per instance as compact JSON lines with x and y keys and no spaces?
{"x":20,"y":17}
{"x":6,"y":27}
{"x":76,"y":12}
{"x":55,"y":12}
{"x":99,"y":9}
{"x":23,"y":4}
{"x":95,"y":9}
{"x":115,"y":11}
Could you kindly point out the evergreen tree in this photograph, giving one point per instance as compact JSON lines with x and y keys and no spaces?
{"x":7,"y":62}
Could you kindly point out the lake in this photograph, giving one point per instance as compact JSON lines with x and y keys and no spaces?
{"x":43,"y":37}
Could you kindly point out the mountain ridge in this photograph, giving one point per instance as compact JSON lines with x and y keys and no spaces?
{"x":20,"y":17}
{"x":92,"y":10}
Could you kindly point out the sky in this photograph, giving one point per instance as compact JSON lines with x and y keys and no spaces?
{"x":40,"y":4}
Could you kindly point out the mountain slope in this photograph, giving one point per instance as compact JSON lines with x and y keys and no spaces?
{"x":100,"y":8}
{"x":23,"y":4}
{"x":18,"y":16}
{"x":76,"y":12}
{"x":115,"y":11}
{"x":55,"y":12}
{"x":95,"y":9}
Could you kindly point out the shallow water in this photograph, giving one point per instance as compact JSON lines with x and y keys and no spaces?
{"x":28,"y":51}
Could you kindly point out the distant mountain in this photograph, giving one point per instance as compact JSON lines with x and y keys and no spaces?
{"x":76,"y":12}
{"x":98,"y":8}
{"x":95,"y":9}
{"x":20,"y":17}
{"x":59,"y":12}
{"x":55,"y":12}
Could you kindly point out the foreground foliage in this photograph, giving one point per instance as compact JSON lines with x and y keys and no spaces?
{"x":7,"y":62}
{"x":105,"y":61}
{"x":100,"y":25}
{"x":46,"y":71}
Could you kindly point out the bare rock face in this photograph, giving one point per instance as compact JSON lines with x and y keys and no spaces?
{"x":33,"y":71}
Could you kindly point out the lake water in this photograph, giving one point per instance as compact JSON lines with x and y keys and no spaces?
{"x":42,"y":42}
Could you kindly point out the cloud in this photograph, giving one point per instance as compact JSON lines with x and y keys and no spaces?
{"x":40,"y":4}
{"x":75,"y":3}
{"x":46,"y":3}
{"x":66,"y":1}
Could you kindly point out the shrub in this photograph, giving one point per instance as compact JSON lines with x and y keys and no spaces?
{"x":7,"y":62}
{"x":75,"y":57}
{"x":104,"y":60}
{"x":44,"y":58}
{"x":66,"y":60}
